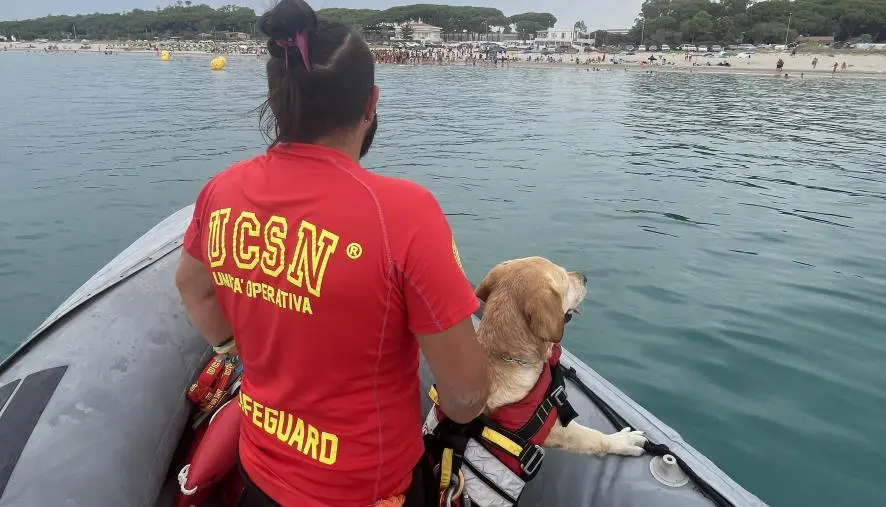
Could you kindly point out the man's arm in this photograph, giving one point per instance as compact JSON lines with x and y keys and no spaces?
{"x":459,"y":367}
{"x":440,"y":302}
{"x":197,"y":291}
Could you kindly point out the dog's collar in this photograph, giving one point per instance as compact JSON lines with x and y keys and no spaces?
{"x":521,"y":362}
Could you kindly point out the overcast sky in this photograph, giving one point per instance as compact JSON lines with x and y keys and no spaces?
{"x":596,"y":13}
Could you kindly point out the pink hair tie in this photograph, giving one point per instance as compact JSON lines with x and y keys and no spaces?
{"x":298,"y":41}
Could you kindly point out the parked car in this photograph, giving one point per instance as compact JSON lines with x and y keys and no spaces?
{"x":653,"y":48}
{"x":641,"y":48}
{"x":716,"y":48}
{"x":665,"y":48}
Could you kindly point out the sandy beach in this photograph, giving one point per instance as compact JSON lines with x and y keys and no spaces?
{"x":870,"y":66}
{"x":867,"y":65}
{"x":858,"y":64}
{"x":765,"y":63}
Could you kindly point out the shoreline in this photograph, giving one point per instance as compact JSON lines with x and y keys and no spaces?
{"x":702,"y":70}
{"x":861,"y":66}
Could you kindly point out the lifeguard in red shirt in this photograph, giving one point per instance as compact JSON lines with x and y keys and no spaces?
{"x":330,"y":279}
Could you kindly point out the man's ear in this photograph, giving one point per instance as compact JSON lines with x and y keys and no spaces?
{"x":544,"y":315}
{"x":372,"y":105}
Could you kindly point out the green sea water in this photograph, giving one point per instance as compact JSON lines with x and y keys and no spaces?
{"x":733,"y":227}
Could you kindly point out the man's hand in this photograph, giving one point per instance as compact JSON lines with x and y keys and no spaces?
{"x":459,"y":367}
{"x":197,"y":290}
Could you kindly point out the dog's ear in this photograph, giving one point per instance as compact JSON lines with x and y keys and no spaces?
{"x":544,"y":314}
{"x":485,"y":288}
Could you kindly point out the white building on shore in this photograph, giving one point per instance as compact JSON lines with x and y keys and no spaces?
{"x":557,"y":37}
{"x":421,"y":31}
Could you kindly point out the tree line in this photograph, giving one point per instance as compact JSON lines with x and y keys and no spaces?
{"x":185,"y":19}
{"x":761,"y":22}
{"x":660,"y":21}
{"x":455,"y":21}
{"x":182,"y":19}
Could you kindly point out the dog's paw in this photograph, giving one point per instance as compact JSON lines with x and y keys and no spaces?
{"x":626,"y":442}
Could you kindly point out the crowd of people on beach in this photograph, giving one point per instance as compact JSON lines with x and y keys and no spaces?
{"x":843,"y":67}
{"x":439,"y":56}
{"x":472,"y":57}
{"x":468,"y":57}
{"x":779,"y":67}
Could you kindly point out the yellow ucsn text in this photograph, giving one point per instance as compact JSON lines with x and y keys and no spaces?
{"x":292,"y":431}
{"x":253,"y":245}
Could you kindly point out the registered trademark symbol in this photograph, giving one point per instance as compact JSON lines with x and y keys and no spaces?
{"x":354,"y":251}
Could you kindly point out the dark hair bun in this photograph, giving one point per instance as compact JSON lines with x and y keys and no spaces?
{"x":287,"y":18}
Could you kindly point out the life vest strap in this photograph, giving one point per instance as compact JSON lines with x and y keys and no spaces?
{"x":555,"y":399}
{"x":455,"y":436}
{"x":446,"y":466}
{"x":453,"y":440}
{"x":529,"y":455}
{"x":557,"y":392}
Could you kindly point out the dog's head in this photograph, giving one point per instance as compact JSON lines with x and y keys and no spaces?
{"x":542,"y":293}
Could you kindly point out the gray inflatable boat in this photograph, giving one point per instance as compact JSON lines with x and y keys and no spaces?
{"x":92,"y":406}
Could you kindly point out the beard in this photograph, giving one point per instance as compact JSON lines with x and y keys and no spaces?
{"x":370,"y":136}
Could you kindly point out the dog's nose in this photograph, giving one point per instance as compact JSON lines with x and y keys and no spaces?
{"x":584,"y":278}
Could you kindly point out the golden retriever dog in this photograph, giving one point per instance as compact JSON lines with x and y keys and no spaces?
{"x":527,"y":303}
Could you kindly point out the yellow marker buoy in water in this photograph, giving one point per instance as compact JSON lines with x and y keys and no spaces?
{"x":164,"y":55}
{"x":218,"y":63}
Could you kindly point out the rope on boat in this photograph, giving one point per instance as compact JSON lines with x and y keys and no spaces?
{"x":652,"y":448}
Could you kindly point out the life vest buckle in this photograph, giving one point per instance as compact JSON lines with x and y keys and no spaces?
{"x":559,"y":396}
{"x":531,"y":459}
